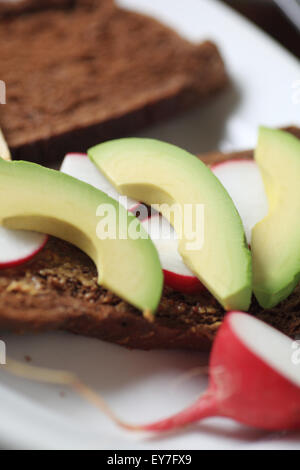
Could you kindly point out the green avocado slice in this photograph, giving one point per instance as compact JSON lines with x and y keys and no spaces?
{"x":37,"y":198}
{"x":276,"y":239}
{"x":160,"y":173}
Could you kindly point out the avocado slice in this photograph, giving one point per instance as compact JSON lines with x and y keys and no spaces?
{"x":276,"y":239}
{"x":44,"y":200}
{"x":160,"y":173}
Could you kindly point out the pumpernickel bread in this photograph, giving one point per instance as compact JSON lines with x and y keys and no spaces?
{"x":58,"y":290}
{"x":81,"y":71}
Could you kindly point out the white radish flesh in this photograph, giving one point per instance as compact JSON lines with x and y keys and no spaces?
{"x":243,"y":181}
{"x":80,"y":167}
{"x":19,"y":246}
{"x":165,"y":239}
{"x":177,"y":275}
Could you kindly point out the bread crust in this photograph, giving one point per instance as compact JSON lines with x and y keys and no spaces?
{"x":124,"y":71}
{"x":58,"y":290}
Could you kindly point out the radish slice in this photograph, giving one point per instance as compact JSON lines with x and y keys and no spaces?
{"x":274,"y":348}
{"x":79,"y":166}
{"x":19,"y":246}
{"x":243,"y":181}
{"x":177,"y":274}
{"x":254,"y":379}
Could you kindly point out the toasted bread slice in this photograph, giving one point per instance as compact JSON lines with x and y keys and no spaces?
{"x":58,"y":290}
{"x":81,"y":71}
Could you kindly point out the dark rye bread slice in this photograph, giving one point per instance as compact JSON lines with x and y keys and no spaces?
{"x":58,"y":290}
{"x":81,"y":71}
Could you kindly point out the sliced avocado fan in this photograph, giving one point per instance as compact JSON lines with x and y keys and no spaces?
{"x":155,"y":172}
{"x":276,"y":239}
{"x":37,"y":198}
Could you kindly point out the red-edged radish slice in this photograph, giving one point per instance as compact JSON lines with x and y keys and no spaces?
{"x":254,"y":379}
{"x":176,"y":274}
{"x":19,"y":246}
{"x":80,"y":166}
{"x":189,"y":285}
{"x":243,"y":181}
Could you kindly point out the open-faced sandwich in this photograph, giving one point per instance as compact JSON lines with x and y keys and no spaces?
{"x":113,"y":290}
{"x":123,"y":71}
{"x":136,"y":241}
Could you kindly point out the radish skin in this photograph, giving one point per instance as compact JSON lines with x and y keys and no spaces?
{"x":206,"y":407}
{"x":231,"y":160}
{"x":189,"y":285}
{"x":247,"y":385}
{"x":25,"y":259}
{"x":176,"y":274}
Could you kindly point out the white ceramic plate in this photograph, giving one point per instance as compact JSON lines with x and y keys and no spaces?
{"x":142,"y":385}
